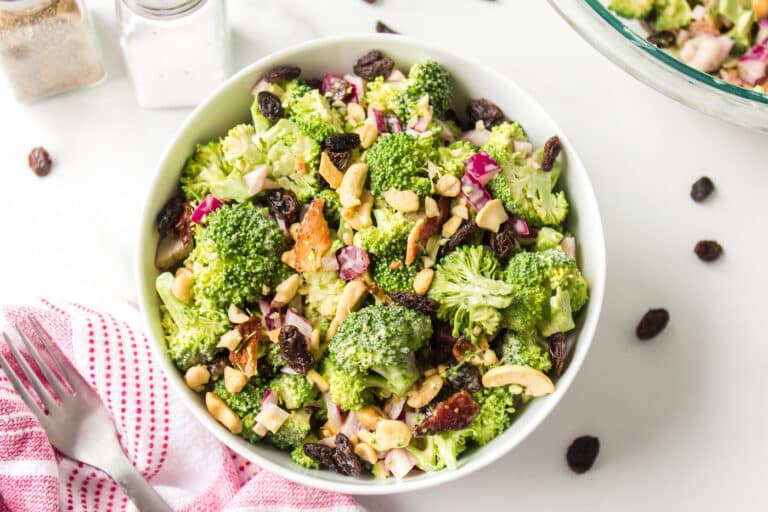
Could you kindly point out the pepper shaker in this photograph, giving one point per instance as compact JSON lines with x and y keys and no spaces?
{"x":176,"y":51}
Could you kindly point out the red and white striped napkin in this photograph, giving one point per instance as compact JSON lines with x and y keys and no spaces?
{"x":187,"y":466}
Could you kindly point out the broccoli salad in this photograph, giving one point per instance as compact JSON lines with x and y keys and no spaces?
{"x":365,"y":280}
{"x":726,"y":38}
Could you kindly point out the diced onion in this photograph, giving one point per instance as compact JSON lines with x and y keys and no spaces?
{"x":482,"y":167}
{"x":352,"y":260}
{"x":474,"y":191}
{"x":298,"y":321}
{"x":209,"y":204}
{"x":334,"y":413}
{"x":400,"y":462}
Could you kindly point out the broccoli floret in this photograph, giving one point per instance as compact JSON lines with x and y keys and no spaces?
{"x":299,"y":457}
{"x":440,"y":450}
{"x":350,"y":391}
{"x":292,"y":157}
{"x":496,"y":408}
{"x":468,"y":286}
{"x":428,"y":79}
{"x":525,"y":349}
{"x":527,"y":273}
{"x":398,"y":161}
{"x":292,"y":432}
{"x":274,"y":357}
{"x":671,"y":14}
{"x":741,"y":33}
{"x":239,"y":150}
{"x":236,"y":254}
{"x":393,"y":278}
{"x":191,"y":331}
{"x":631,"y":8}
{"x":294,"y":391}
{"x":380,"y":342}
{"x":548,"y":238}
{"x":501,"y":141}
{"x":323,"y":292}
{"x":527,"y":191}
{"x":451,"y":158}
{"x":315,"y":116}
{"x":294,"y":90}
{"x":331,"y":206}
{"x":246,"y":403}
{"x":206,"y":172}
{"x":384,"y":95}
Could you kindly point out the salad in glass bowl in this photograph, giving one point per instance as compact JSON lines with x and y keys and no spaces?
{"x":365,"y":279}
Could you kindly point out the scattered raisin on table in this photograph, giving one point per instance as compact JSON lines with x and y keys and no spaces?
{"x":556,"y":345}
{"x":280,"y":73}
{"x":663,"y":39}
{"x":455,"y":413}
{"x":504,"y":244}
{"x":652,"y":323}
{"x":284,"y":205}
{"x":269,"y":106}
{"x":708,"y":250}
{"x":372,"y":65}
{"x":416,"y":302}
{"x":464,"y":376}
{"x":295,"y":349}
{"x":40,"y":161}
{"x":582,"y":453}
{"x":381,"y":28}
{"x":486,"y":111}
{"x":339,"y":158}
{"x":702,"y":189}
{"x":463,"y":235}
{"x":551,"y":151}
{"x":342,"y":141}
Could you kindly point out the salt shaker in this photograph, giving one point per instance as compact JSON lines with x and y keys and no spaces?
{"x":47,"y":47}
{"x":176,"y":51}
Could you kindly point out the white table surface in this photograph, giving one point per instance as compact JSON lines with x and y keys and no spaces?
{"x":681,"y":419}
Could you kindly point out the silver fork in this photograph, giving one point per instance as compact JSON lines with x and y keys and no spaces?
{"x":75,"y":419}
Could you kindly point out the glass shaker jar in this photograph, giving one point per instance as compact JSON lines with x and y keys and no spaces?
{"x":176,"y":51}
{"x":47,"y":47}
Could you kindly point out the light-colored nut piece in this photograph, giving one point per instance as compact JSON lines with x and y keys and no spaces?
{"x":286,"y":291}
{"x":389,"y":434}
{"x":230,"y":340}
{"x":222,"y":413}
{"x":182,"y":285}
{"x":490,"y":357}
{"x":460,"y":210}
{"x":535,"y":382}
{"x":328,"y":429}
{"x":318,"y":380}
{"x":351,"y":295}
{"x":314,"y":343}
{"x":366,"y":452}
{"x":761,"y":8}
{"x":402,"y":200}
{"x":330,"y":172}
{"x":359,"y":217}
{"x":491,"y":216}
{"x":197,"y":377}
{"x":355,"y":113}
{"x":236,"y":315}
{"x":441,"y":369}
{"x":352,"y":184}
{"x":234,"y":379}
{"x":451,"y":226}
{"x":430,"y":207}
{"x":427,"y":262}
{"x":423,"y":280}
{"x":448,"y":186}
{"x":368,"y":133}
{"x":369,"y":416}
{"x":424,"y":394}
{"x":274,"y":335}
{"x":430,"y":372}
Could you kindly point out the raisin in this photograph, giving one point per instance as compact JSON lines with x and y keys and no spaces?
{"x":339,"y":158}
{"x":338,"y":91}
{"x":169,"y":215}
{"x":313,"y":83}
{"x":652,"y":323}
{"x":455,"y":413}
{"x":342,"y":142}
{"x":416,"y":302}
{"x":281,"y":73}
{"x":442,"y":343}
{"x":245,"y":358}
{"x":40,"y":161}
{"x":284,"y":205}
{"x":582,"y":453}
{"x":551,"y":150}
{"x":323,"y":454}
{"x":373,"y":64}
{"x":381,"y":28}
{"x":486,"y":111}
{"x":463,"y":235}
{"x":346,"y":462}
{"x":663,"y":39}
{"x":295,"y":349}
{"x":702,"y":189}
{"x":708,"y":250}
{"x":504,"y":244}
{"x":269,"y":106}
{"x":464,"y":376}
{"x":264,"y":369}
{"x":556,"y":344}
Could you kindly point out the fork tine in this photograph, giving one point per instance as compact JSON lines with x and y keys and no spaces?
{"x":21,"y":389}
{"x":42,"y":393}
{"x":68,"y":374}
{"x":53,"y":380}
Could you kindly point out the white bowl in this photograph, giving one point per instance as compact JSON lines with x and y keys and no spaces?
{"x":230,"y":105}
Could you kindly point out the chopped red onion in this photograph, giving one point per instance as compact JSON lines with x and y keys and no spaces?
{"x":272,"y":318}
{"x":393,"y":123}
{"x":260,"y":430}
{"x":270,"y":397}
{"x":411,"y":417}
{"x":524,"y":147}
{"x":330,"y":83}
{"x":400,"y":462}
{"x":753,"y":64}
{"x":334,"y":413}
{"x":378,"y":116}
{"x":351,"y":425}
{"x":298,"y":321}
{"x":255,"y":180}
{"x":358,"y":90}
{"x":261,"y":85}
{"x":352,"y":260}
{"x":394,"y":407}
{"x":476,"y":137}
{"x":520,"y":227}
{"x":481,"y":166}
{"x":209,"y":204}
{"x":445,"y":134}
{"x":762,"y":31}
{"x":422,"y":123}
{"x":474,"y":191}
{"x":706,"y":52}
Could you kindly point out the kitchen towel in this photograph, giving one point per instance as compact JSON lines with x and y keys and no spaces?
{"x":186,"y":464}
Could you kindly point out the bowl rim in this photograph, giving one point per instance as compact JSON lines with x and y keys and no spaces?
{"x":362,"y":487}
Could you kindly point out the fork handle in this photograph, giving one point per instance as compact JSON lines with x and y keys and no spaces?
{"x":138,"y":490}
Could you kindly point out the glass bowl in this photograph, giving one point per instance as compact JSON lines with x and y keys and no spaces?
{"x":623,"y":42}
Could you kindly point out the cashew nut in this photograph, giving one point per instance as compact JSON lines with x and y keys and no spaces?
{"x":424,"y":394}
{"x":366,"y":452}
{"x":491,"y":216}
{"x":389,"y":434}
{"x":197,"y":377}
{"x":404,"y":201}
{"x":182,"y":285}
{"x":535,"y":382}
{"x":448,"y":186}
{"x":234,"y":379}
{"x":237,"y":315}
{"x":423,"y":280}
{"x":222,"y":413}
{"x":370,"y":416}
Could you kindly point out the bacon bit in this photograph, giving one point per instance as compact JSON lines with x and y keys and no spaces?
{"x":312,"y":241}
{"x":395,"y":265}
